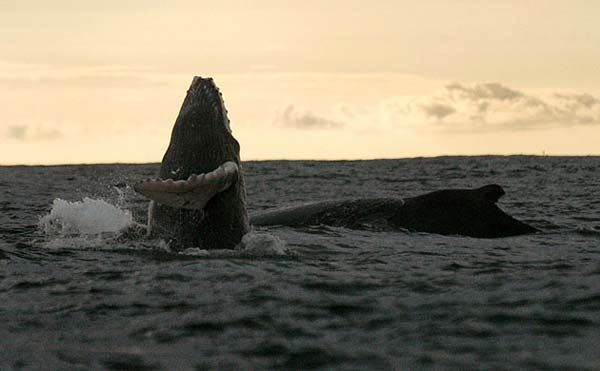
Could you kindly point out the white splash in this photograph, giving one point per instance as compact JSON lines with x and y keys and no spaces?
{"x":97,"y":224}
{"x":257,"y":243}
{"x":87,"y":217}
{"x":252,"y":244}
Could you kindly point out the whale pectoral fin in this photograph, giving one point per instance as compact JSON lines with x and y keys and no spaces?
{"x":192,"y":193}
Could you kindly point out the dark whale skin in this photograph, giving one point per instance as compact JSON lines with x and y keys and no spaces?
{"x":465,"y":212}
{"x":200,"y":142}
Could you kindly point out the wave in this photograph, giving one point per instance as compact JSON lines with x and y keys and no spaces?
{"x":87,"y":217}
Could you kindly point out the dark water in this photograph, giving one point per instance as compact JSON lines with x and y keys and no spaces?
{"x":336,"y":299}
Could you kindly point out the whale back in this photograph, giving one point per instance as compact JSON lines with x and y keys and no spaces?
{"x":468,"y":212}
{"x":366,"y":213}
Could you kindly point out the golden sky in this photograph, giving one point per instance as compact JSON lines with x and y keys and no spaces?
{"x":102,"y":81}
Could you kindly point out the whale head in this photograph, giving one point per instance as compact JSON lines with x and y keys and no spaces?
{"x":201,"y":139}
{"x":199,"y":200}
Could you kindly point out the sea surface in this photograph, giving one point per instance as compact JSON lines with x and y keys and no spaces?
{"x":78,"y":292}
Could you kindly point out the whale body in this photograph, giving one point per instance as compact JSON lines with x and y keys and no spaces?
{"x":466,"y":212}
{"x":199,"y":198}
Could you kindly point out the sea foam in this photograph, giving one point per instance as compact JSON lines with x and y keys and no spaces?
{"x":93,"y":223}
{"x":253,"y":244}
{"x":87,"y":217}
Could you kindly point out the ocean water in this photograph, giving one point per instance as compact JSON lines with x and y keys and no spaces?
{"x":79,"y":292}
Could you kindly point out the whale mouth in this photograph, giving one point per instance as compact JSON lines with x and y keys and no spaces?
{"x":192,"y":193}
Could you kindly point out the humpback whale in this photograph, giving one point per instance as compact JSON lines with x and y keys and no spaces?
{"x":199,"y":199}
{"x":467,"y":212}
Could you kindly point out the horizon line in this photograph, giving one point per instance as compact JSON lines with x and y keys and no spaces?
{"x":305,"y":159}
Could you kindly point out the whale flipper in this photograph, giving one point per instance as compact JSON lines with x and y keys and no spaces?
{"x":192,"y":193}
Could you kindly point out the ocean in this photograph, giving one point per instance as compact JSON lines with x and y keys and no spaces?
{"x":77,"y":292}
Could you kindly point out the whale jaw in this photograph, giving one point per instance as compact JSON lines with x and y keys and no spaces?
{"x":192,"y":193}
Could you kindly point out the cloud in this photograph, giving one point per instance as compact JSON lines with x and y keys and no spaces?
{"x":491,"y":90}
{"x":290,"y":117}
{"x":32,"y":133}
{"x":493,"y":106}
{"x":17,"y":132}
{"x":457,"y":107}
{"x":86,"y":81}
{"x":438,"y":110}
{"x":28,"y":76}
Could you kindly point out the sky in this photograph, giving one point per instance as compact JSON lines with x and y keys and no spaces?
{"x":102,"y":82}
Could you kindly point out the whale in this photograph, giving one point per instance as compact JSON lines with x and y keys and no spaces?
{"x":199,"y":197}
{"x":464,"y":212}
